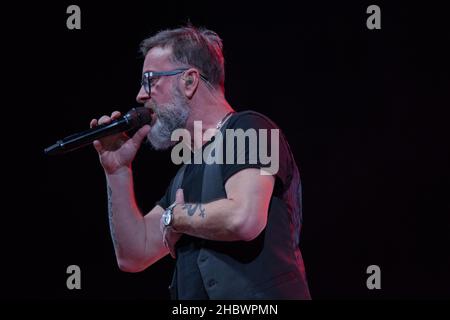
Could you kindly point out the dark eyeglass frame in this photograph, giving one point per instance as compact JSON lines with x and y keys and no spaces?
{"x":150,"y":76}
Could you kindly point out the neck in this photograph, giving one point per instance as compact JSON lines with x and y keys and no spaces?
{"x":210,"y":114}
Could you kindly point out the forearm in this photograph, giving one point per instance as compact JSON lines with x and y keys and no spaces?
{"x":220,"y":220}
{"x":125,"y":219}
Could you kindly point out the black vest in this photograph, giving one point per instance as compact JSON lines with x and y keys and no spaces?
{"x":268,"y":267}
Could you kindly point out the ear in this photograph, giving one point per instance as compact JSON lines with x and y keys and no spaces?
{"x":191,"y":80}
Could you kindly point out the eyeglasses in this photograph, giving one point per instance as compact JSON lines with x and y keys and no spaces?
{"x":149,"y":78}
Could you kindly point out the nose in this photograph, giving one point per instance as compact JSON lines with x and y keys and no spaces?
{"x":142,"y":96}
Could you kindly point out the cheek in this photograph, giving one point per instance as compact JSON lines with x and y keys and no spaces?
{"x":159,"y":94}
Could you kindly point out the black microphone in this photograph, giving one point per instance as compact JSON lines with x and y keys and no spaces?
{"x":134,"y":119}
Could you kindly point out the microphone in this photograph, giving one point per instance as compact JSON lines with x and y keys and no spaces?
{"x":133,"y":119}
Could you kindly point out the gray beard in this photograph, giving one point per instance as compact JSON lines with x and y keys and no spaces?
{"x":169,"y":117}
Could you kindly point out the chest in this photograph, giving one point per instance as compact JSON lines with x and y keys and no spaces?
{"x":193,"y":182}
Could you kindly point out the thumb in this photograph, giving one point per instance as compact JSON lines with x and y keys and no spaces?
{"x":140,"y":135}
{"x":179,"y":198}
{"x":98,"y":146}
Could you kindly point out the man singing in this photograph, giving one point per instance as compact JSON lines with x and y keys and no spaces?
{"x":233,"y":226}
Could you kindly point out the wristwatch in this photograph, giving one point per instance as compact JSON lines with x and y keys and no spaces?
{"x":168,"y":215}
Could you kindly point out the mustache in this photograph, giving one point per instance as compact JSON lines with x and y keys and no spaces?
{"x":151,"y":105}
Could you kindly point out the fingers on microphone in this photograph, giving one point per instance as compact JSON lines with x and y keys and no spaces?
{"x":93,"y":123}
{"x":104,"y":119}
{"x":115,"y":115}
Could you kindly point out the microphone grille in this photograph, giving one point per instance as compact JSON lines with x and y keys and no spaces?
{"x":139,"y":116}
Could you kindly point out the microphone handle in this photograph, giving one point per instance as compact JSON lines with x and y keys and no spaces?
{"x":84,"y":138}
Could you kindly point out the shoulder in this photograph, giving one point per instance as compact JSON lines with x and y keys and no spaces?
{"x":250,"y":119}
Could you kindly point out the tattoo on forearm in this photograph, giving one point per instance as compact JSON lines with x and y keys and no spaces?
{"x":191,"y":209}
{"x":110,"y":217}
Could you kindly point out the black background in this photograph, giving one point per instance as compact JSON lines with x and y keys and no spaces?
{"x":365,"y":112}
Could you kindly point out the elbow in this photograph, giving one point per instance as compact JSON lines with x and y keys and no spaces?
{"x":249,"y":225}
{"x":138,"y":262}
{"x":130,"y":266}
{"x":251,"y":234}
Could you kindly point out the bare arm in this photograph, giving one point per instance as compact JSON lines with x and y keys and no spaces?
{"x":242,"y":216}
{"x":137,"y":240}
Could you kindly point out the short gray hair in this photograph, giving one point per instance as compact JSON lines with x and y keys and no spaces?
{"x":197,"y":47}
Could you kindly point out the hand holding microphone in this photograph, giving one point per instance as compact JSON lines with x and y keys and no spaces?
{"x":115,"y":148}
{"x":118,"y":150}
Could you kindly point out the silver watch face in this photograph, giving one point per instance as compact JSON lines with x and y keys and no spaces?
{"x":167,"y":217}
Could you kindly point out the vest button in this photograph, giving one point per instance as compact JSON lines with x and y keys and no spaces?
{"x":211,"y":282}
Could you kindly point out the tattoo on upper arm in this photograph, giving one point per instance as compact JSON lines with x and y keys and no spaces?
{"x":191,"y":209}
{"x":110,"y":217}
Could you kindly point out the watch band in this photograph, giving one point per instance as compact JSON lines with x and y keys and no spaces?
{"x":172,"y":206}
